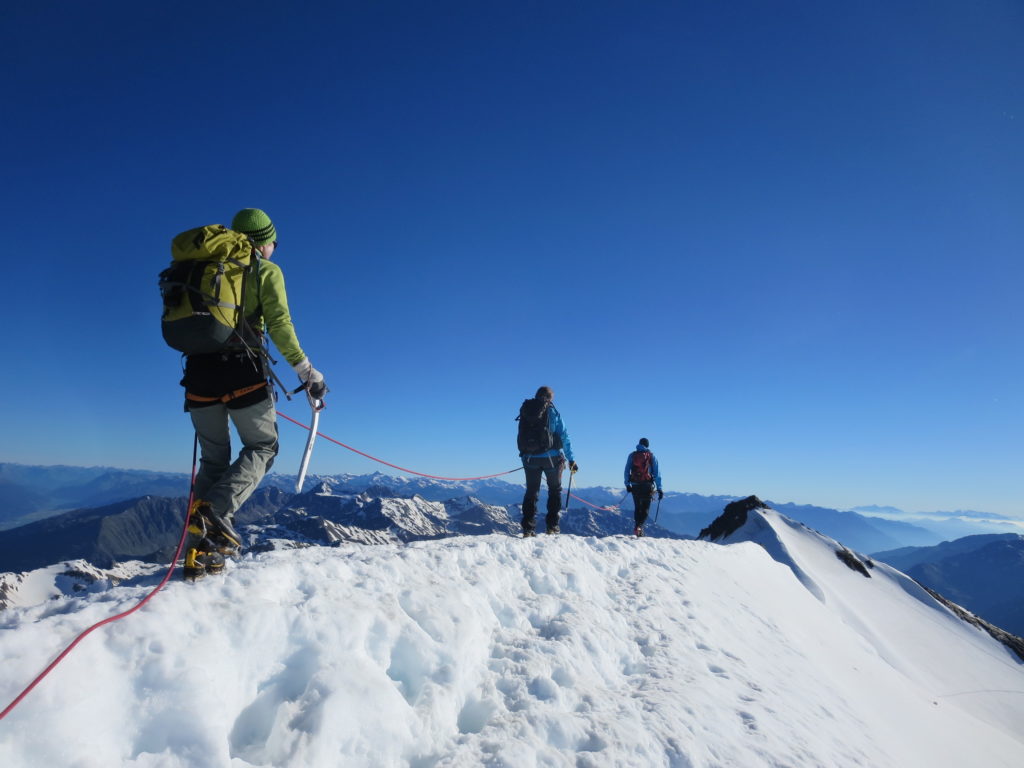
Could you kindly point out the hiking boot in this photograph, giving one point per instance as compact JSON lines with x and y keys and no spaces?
{"x":638,"y":531}
{"x":529,"y":534}
{"x":217,"y":528}
{"x":552,"y":529}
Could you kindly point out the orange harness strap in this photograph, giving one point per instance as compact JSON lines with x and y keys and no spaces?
{"x":225,"y":398}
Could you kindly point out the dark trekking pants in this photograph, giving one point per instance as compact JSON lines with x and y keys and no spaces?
{"x":550,"y":467}
{"x":642,"y":495}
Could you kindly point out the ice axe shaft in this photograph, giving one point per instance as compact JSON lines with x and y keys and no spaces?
{"x":568,"y":491}
{"x":316,"y":406}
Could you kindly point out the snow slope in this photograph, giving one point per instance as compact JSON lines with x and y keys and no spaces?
{"x":72,"y":577}
{"x":499,"y":651}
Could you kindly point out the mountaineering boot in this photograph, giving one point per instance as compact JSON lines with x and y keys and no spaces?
{"x":199,"y":563}
{"x":552,"y":529}
{"x":193,"y":570}
{"x":221,"y":544}
{"x":638,"y":531}
{"x":216,"y":528}
{"x":208,"y":543}
{"x":529,"y":534}
{"x":213,"y":562}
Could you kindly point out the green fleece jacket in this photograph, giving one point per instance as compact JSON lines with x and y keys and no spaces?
{"x":269,"y":295}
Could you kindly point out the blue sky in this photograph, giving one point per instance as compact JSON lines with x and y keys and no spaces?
{"x":782,"y":241}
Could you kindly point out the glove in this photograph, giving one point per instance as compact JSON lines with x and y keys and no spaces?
{"x":661,"y":494}
{"x":573,"y":466}
{"x":312,"y":378}
{"x":317,"y":389}
{"x":629,"y":489}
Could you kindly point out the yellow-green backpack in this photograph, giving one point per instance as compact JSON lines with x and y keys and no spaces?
{"x":204,"y":290}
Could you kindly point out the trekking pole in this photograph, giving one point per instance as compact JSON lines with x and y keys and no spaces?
{"x":657,"y":510}
{"x":568,"y":490}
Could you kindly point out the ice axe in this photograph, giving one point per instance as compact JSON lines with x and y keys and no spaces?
{"x":568,"y":491}
{"x":317,"y":405}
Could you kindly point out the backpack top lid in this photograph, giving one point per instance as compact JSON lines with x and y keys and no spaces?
{"x":214,"y":242}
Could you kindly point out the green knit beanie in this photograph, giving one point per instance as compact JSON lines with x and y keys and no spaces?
{"x":256,"y":224}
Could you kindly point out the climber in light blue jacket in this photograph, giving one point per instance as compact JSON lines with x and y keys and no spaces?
{"x":642,"y":478}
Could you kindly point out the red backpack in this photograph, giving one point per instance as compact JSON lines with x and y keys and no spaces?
{"x":640,"y":467}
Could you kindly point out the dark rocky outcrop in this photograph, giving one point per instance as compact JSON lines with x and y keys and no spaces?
{"x":853,"y":562}
{"x":732,"y":518}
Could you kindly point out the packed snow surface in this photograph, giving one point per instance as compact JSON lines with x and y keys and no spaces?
{"x":498,"y":651}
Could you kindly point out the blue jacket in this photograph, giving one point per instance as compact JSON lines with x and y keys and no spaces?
{"x":655,"y":472}
{"x":556,"y":427}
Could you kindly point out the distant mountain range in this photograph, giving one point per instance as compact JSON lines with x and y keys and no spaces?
{"x":984,"y":573}
{"x":148,"y":528}
{"x":31,"y":493}
{"x":113,"y":516}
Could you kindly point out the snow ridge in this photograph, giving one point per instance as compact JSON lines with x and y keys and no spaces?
{"x":494,"y":650}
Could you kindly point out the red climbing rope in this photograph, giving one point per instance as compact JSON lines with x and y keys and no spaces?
{"x":181,"y":544}
{"x":614,"y":508}
{"x":394,"y":466}
{"x":133,"y":609}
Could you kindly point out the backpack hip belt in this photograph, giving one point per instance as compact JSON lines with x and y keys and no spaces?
{"x":225,"y":398}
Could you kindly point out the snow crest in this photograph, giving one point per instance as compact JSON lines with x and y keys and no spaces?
{"x":493,"y":650}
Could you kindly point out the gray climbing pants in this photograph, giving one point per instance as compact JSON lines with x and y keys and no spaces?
{"x":223,"y":483}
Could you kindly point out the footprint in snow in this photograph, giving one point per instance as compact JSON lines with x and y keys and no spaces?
{"x":748,"y":720}
{"x":717,"y":670}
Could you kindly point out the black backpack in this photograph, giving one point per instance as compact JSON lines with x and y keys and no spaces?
{"x":534,"y":434}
